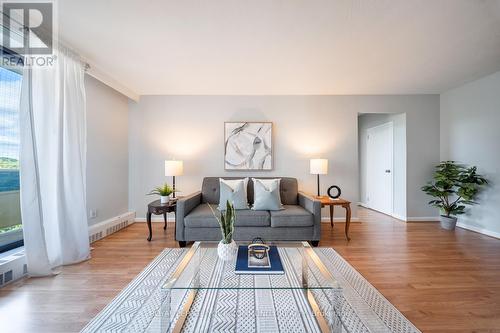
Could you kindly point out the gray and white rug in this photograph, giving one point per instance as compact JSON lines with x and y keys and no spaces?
{"x":136,"y":308}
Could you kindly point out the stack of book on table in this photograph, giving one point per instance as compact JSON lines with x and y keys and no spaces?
{"x":267,"y":263}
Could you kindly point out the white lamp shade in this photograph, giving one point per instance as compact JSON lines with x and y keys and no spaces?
{"x":174,"y":168}
{"x":319,"y":166}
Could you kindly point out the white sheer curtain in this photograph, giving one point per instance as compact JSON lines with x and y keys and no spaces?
{"x":53,"y":165}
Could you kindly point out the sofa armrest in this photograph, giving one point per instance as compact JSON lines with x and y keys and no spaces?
{"x":184,"y":206}
{"x":313,"y":206}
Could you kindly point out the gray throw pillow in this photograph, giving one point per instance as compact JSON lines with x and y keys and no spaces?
{"x":234,"y":191}
{"x":266,"y":194}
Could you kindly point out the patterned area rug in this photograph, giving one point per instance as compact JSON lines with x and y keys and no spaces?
{"x":136,"y":308}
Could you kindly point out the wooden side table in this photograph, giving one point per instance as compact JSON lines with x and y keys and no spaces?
{"x":326,"y":201}
{"x":157,"y":208}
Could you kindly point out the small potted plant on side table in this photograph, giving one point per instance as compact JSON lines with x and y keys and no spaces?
{"x":227,"y":248}
{"x":455,"y":186}
{"x":163,"y":191}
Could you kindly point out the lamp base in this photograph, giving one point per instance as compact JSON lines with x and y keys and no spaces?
{"x":173,"y":186}
{"x":318,"y":185}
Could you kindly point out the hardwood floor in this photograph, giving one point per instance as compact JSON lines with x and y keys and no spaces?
{"x":442,"y":281}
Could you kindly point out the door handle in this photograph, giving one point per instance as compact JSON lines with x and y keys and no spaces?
{"x":387,"y":171}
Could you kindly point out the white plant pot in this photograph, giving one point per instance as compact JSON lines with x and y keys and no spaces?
{"x":164,"y":198}
{"x":448,"y":223}
{"x":227,"y":252}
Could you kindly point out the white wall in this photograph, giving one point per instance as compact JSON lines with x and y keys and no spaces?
{"x":191,"y":128}
{"x":367,"y":121}
{"x":107,"y":150}
{"x":470,"y":118}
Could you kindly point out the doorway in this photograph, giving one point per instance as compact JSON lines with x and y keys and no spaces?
{"x":382,"y":163}
{"x":379,"y":173}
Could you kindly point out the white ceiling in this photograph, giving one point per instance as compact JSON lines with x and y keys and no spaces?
{"x":286,"y":46}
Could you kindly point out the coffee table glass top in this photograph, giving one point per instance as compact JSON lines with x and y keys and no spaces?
{"x":201,"y":268}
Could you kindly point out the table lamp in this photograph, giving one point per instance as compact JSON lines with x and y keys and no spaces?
{"x":318,"y":166}
{"x":173,"y":168}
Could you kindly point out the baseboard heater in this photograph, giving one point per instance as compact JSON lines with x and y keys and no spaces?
{"x":108,"y":227}
{"x":12,"y":266}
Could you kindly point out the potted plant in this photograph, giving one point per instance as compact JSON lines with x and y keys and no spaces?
{"x":163,"y":191}
{"x":454,"y":187}
{"x":227,"y":248}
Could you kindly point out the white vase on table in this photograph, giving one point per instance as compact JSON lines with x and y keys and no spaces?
{"x":164,"y":199}
{"x":227,"y":252}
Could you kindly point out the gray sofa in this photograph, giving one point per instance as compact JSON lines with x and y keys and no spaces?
{"x":299,"y":220}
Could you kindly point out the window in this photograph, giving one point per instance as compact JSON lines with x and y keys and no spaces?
{"x":11,"y":235}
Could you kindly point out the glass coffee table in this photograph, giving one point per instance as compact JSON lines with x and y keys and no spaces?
{"x":204,"y":294}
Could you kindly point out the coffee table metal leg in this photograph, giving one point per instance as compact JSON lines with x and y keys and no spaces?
{"x":165,"y":218}
{"x":185,"y":312}
{"x":318,"y":313}
{"x":192,"y":254}
{"x":325,"y":314}
{"x":148,"y":220}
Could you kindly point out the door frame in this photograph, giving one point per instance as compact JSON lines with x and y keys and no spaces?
{"x":390,"y":125}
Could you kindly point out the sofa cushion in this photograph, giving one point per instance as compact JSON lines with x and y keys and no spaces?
{"x":202,"y":217}
{"x":291,"y":216}
{"x":252,"y":218}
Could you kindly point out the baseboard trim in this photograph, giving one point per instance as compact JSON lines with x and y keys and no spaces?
{"x":399,"y":217}
{"x":403,"y":218}
{"x":326,"y":219}
{"x":110,"y":226}
{"x":396,"y":216}
{"x":423,"y":219}
{"x":482,"y":231}
{"x":158,"y":219}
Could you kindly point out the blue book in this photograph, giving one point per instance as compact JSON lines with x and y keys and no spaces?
{"x":271,"y":264}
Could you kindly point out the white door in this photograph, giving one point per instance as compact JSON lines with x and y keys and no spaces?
{"x":380,"y":168}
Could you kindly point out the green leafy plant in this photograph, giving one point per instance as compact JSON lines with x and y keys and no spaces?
{"x":164,"y":190}
{"x":454,"y":187}
{"x":226,"y":221}
{"x":9,"y":163}
{"x":11,"y":228}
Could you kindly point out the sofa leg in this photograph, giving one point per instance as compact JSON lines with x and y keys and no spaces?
{"x":314,"y":243}
{"x":182,"y":244}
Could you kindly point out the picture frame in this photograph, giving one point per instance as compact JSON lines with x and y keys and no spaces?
{"x":248,"y":146}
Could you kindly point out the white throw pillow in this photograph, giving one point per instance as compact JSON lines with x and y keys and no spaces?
{"x":267,"y":194}
{"x":234,"y":191}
